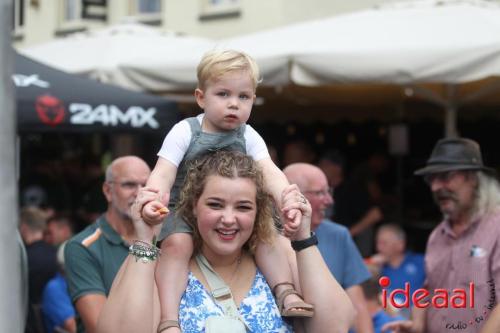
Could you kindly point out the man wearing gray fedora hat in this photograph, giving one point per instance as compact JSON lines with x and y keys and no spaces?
{"x":463,"y":251}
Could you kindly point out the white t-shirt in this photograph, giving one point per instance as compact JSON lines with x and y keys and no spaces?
{"x":177,"y":142}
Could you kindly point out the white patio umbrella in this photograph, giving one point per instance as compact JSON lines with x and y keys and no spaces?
{"x":441,"y":49}
{"x":107,"y":55}
{"x":447,"y":51}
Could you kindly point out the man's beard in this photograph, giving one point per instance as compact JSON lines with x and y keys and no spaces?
{"x":441,"y":195}
{"x":444,"y":195}
{"x":124,"y":214}
{"x":458,"y":208}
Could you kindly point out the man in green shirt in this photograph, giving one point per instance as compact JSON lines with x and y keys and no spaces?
{"x":94,"y":256}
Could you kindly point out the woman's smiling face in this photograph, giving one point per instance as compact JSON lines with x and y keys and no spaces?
{"x":226,"y":212}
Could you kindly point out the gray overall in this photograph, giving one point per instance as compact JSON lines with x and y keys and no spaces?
{"x":201,"y":144}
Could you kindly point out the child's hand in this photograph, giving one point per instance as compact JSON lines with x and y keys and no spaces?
{"x":144,"y":231}
{"x":292,"y":216}
{"x":154,"y":212}
{"x":292,"y":222}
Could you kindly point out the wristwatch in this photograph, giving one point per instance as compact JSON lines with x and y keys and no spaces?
{"x":298,"y":245}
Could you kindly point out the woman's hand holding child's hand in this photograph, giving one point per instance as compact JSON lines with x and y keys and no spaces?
{"x":296,"y":212}
{"x":154,"y":211}
{"x":144,"y":231}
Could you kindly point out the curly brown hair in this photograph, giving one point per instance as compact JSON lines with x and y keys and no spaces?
{"x":228,"y":164}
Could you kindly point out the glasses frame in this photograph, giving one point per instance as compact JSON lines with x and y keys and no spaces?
{"x":443,"y":177}
{"x":127,"y":184}
{"x":321,"y":193}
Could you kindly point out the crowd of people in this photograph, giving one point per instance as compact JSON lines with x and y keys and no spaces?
{"x":248,"y":247}
{"x":68,"y":185}
{"x":44,"y":237}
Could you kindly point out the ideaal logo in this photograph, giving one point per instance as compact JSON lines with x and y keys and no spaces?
{"x":462,"y":325}
{"x":441,"y":299}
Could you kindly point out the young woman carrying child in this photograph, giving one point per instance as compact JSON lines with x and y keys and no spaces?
{"x":227,"y":82}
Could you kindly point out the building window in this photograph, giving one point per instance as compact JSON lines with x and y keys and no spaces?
{"x":96,"y":10}
{"x":72,"y":10}
{"x":219,"y":8}
{"x":70,"y":17}
{"x":18,"y":10}
{"x":147,"y":11}
{"x":148,"y":6}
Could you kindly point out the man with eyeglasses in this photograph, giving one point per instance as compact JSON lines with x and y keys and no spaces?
{"x":361,"y":187}
{"x":94,"y":256}
{"x":334,"y":241}
{"x":465,"y":246}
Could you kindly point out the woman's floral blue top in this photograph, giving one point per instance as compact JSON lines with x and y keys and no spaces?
{"x":258,"y":309}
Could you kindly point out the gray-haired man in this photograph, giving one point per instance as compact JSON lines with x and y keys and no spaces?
{"x":94,"y":256}
{"x":465,"y":247}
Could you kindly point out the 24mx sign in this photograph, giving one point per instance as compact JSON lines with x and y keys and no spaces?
{"x":111,"y":115}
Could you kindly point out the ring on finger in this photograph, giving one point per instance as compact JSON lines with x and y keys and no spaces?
{"x":303,"y":199}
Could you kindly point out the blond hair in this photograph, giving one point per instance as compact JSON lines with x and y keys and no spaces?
{"x":217,"y":63}
{"x":230,"y":165}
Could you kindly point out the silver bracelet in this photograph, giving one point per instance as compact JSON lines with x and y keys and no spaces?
{"x":144,"y":251}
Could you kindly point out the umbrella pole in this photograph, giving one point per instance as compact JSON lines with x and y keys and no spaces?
{"x":450,"y":119}
{"x":449,"y":104}
{"x":12,"y":290}
{"x":451,"y":122}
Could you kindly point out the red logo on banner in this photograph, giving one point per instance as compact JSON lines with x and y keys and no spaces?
{"x":50,"y":110}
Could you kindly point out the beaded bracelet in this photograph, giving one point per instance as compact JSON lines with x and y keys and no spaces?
{"x":144,"y":251}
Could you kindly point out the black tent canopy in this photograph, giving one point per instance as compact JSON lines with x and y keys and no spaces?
{"x":49,"y":100}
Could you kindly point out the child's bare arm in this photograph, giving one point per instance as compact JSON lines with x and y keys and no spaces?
{"x":162,"y":178}
{"x":275,"y":182}
{"x":274,"y":179}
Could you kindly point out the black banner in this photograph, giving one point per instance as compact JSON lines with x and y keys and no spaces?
{"x":51,"y":100}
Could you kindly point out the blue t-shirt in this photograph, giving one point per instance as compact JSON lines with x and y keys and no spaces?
{"x":341,"y":254}
{"x":412,"y":270}
{"x":56,"y":304}
{"x":381,"y":318}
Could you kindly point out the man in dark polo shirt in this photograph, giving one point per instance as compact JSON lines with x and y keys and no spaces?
{"x":42,"y":260}
{"x":94,"y":256}
{"x":465,"y":247}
